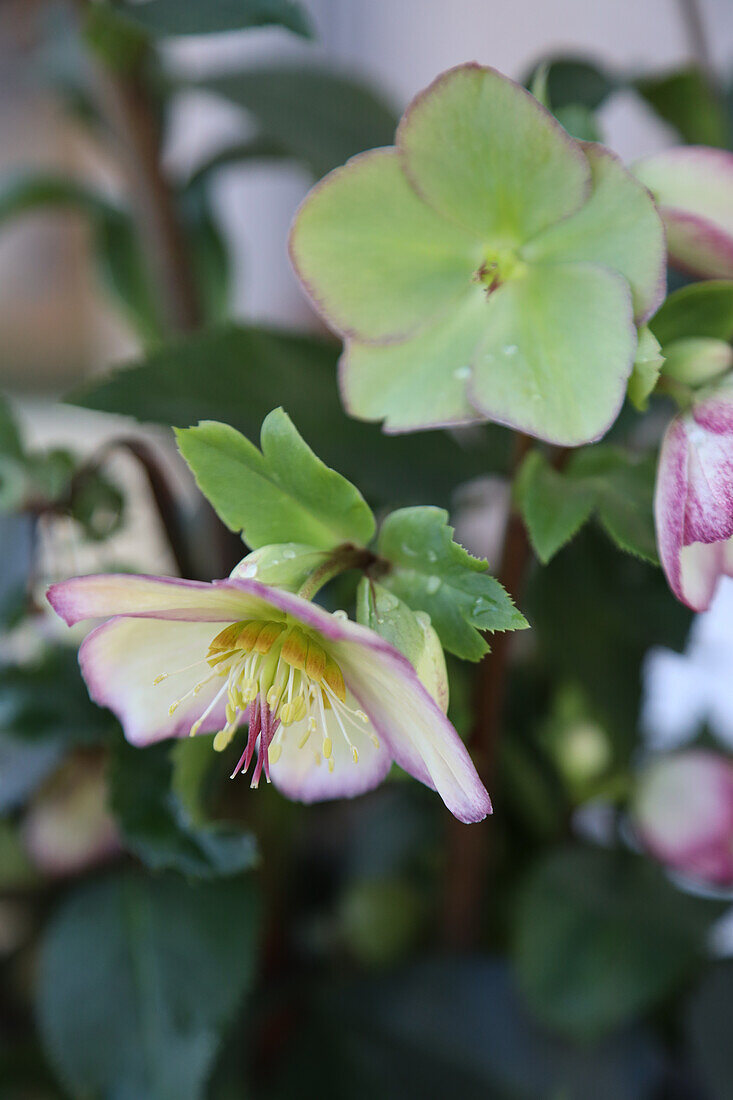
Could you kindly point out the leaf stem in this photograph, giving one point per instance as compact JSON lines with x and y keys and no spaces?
{"x":343,"y":558}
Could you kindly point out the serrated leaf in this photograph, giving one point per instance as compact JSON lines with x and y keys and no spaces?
{"x":432,"y":573}
{"x":616,"y":486}
{"x":283,"y":493}
{"x":174,"y":17}
{"x":552,"y":510}
{"x":155,"y":825}
{"x":139,"y":979}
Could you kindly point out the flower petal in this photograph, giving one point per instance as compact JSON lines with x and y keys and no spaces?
{"x":558,"y":351}
{"x":619,"y":227}
{"x":101,"y":595}
{"x":693,"y":186}
{"x":121,"y":659}
{"x":421,"y":738}
{"x":376,"y":261}
{"x":303,"y":774}
{"x":419,"y":382}
{"x":483,"y":152}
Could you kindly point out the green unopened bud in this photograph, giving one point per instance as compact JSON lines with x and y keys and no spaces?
{"x":697,"y":360}
{"x":647,"y":365}
{"x":286,"y":565}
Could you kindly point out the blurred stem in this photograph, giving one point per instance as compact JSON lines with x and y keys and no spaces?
{"x":130,"y":112}
{"x":468,"y":846}
{"x":699,"y":46}
{"x":345,"y":557}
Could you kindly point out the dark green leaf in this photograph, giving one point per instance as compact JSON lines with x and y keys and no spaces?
{"x":708,"y":1025}
{"x":317,"y":116}
{"x":686,"y":101}
{"x":601,"y":936}
{"x":579,"y":122}
{"x":457,"y":1027}
{"x":255,"y":368}
{"x":612,"y":483}
{"x":156,"y":826}
{"x":393,"y":620}
{"x":282,"y":494}
{"x":11,"y":443}
{"x":701,"y":309}
{"x":435,"y":574}
{"x":139,"y":979}
{"x":572,"y":81}
{"x":174,"y":17}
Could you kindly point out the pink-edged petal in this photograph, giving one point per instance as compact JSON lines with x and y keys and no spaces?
{"x":701,"y":567}
{"x":121,"y":659}
{"x":304,"y":775}
{"x":376,"y":261}
{"x":669,"y":502}
{"x":102,"y":595}
{"x":421,"y":738}
{"x":484,"y":153}
{"x":693,"y":186}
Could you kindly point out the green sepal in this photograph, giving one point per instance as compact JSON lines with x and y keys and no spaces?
{"x":432,"y":573}
{"x":283,"y":493}
{"x":285,"y":565}
{"x":647,"y":366}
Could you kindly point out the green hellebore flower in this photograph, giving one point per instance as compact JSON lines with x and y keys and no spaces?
{"x":488,"y":267}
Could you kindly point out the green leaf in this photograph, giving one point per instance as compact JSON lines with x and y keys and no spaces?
{"x":571,"y":81}
{"x":686,"y":100}
{"x":608,"y":481}
{"x":314,"y":115}
{"x":254,"y":372}
{"x":602,"y":936}
{"x":282,"y":494}
{"x":171,"y":17}
{"x":701,"y":309}
{"x":553,"y":508}
{"x":139,"y":980}
{"x":159,"y":830}
{"x":647,"y":365}
{"x":433,"y":573}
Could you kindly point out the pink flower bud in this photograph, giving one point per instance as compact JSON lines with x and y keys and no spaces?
{"x":693,"y":503}
{"x":693,"y":187}
{"x":683,"y":814}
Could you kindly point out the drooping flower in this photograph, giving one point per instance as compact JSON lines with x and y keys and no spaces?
{"x":693,"y":186}
{"x":328,"y":704}
{"x":693,"y":503}
{"x":488,"y":267}
{"x":683,"y":814}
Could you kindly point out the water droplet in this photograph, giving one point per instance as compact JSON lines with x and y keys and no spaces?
{"x":288,"y":552}
{"x":388,"y":602}
{"x":408,"y":550}
{"x":249,"y":570}
{"x":431,"y":555}
{"x":340,"y":615}
{"x":480,"y":606}
{"x":432,"y":585}
{"x":462,"y":372}
{"x":510,"y":349}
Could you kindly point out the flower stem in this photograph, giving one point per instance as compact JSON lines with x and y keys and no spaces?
{"x":469,"y":848}
{"x":342,"y":559}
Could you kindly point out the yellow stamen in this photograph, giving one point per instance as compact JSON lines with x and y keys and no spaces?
{"x":275,"y":751}
{"x":295,"y":649}
{"x":223,"y":738}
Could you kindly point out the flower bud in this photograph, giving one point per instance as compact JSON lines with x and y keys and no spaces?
{"x":696,"y":360}
{"x":683,"y":814}
{"x":284,"y":565}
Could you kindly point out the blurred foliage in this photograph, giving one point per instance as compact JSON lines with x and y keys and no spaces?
{"x":238,"y":946}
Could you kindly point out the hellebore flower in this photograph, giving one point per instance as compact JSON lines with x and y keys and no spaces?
{"x":693,"y":186}
{"x":683,"y":814}
{"x":487,"y":267}
{"x":328,"y":703}
{"x":693,"y":501}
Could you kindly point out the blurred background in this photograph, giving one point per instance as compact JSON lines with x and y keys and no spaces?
{"x":162,"y":934}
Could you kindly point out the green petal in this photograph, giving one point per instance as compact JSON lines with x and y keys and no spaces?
{"x":557,"y":354}
{"x":618,"y":227}
{"x":375,"y":259}
{"x":483,"y":152}
{"x":419,"y":382}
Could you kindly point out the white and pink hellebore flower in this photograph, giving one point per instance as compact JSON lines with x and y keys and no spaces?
{"x":329,"y":705}
{"x":693,"y":503}
{"x":683,"y":814}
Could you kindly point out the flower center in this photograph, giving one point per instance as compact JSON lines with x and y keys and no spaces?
{"x":276,"y":676}
{"x":500,"y":264}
